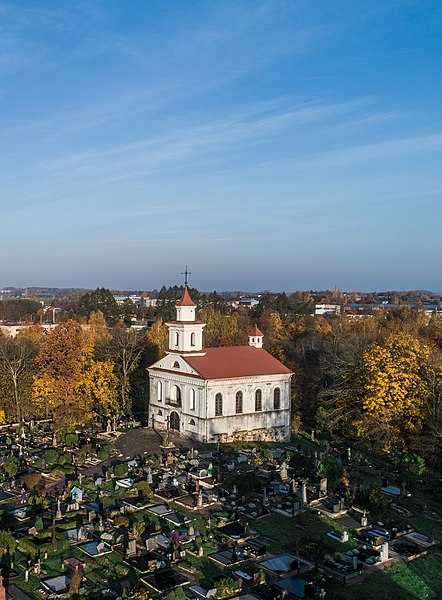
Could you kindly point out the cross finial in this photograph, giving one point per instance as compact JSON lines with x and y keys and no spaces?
{"x":185,"y":273}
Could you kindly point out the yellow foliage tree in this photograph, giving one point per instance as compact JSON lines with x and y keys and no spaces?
{"x":100,"y":386}
{"x":395,"y":390}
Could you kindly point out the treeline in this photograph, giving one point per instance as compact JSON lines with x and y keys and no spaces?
{"x":376,"y":379}
{"x":76,"y":373}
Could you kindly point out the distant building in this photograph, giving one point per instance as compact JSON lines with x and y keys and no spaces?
{"x":218,"y":394}
{"x":327,"y":309}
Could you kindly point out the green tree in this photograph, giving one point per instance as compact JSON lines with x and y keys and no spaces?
{"x":99,"y":300}
{"x":330,"y":468}
{"x":7,"y":543}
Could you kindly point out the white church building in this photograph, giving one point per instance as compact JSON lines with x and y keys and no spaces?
{"x":218,"y":394}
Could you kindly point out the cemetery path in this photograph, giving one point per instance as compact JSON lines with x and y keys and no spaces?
{"x":143,"y":441}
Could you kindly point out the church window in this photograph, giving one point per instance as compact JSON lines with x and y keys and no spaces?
{"x":218,"y":405}
{"x":176,"y":365}
{"x":192,"y":339}
{"x":238,"y":402}
{"x":192,"y":422}
{"x":160,"y":392}
{"x":258,"y":400}
{"x":192,"y":399}
{"x":277,"y":399}
{"x":177,"y":395}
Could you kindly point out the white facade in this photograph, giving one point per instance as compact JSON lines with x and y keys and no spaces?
{"x":252,"y":407}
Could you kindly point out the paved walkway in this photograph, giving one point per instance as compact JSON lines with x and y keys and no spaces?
{"x":143,"y":441}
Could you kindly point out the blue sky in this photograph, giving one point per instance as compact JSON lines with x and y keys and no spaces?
{"x":268,"y":145}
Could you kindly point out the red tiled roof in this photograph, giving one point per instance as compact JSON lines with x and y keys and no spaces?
{"x":236,"y":361}
{"x":255,"y":332}
{"x":186,"y":300}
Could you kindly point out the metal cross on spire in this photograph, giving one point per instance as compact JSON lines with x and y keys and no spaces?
{"x":185,"y":273}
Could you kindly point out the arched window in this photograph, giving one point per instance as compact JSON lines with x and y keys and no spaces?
{"x":192,"y":398}
{"x":176,"y":365}
{"x":192,"y":422}
{"x":177,"y":339}
{"x":192,"y":339}
{"x":238,"y":402}
{"x":218,"y":405}
{"x":160,"y":413}
{"x":258,"y":400}
{"x":176,"y":395}
{"x":160,"y":392}
{"x":277,"y":399}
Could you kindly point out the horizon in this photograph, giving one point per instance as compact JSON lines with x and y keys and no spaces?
{"x":281,"y":142}
{"x":225,"y":291}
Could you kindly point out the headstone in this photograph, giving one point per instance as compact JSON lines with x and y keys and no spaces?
{"x":92,"y":514}
{"x":313,"y":435}
{"x":170,"y":458}
{"x":26,"y":575}
{"x":364,"y":519}
{"x":354,"y":561}
{"x":149,"y":477}
{"x":59,"y":513}
{"x":323,"y":487}
{"x":283,"y":471}
{"x":131,"y":548}
{"x":294,"y":486}
{"x":151,"y":543}
{"x":304,"y":493}
{"x":344,"y":537}
{"x":384,"y":552}
{"x":200,"y":499}
{"x":200,"y":551}
{"x":191,"y":530}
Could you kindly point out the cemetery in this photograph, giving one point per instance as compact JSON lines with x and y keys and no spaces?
{"x":217,"y":521}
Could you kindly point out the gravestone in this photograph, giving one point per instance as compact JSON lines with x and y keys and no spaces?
{"x":149,"y":477}
{"x":323,"y":487}
{"x":344,"y":537}
{"x":364,"y":519}
{"x":304,"y":493}
{"x":58,"y":514}
{"x":384,"y":552}
{"x":200,"y":499}
{"x":283,"y":471}
{"x":131,"y":548}
{"x":191,"y":530}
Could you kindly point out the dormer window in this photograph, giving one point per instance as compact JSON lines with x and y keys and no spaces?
{"x":176,"y":365}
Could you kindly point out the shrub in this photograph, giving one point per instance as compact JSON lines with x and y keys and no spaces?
{"x":71,"y":439}
{"x":12,"y":465}
{"x":120,"y":470}
{"x":51,"y":456}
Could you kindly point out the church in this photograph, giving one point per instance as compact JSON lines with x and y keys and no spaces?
{"x":239,"y":393}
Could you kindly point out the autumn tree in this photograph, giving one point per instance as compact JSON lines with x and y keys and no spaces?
{"x":57,"y":385}
{"x":394,"y":392}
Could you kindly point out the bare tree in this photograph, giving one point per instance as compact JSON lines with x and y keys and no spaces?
{"x":16,"y":361}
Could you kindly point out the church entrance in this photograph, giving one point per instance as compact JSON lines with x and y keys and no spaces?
{"x":174,"y":421}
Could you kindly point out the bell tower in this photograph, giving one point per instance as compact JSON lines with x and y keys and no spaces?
{"x":185,"y":333}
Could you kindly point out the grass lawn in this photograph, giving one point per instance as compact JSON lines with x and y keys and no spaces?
{"x":303,"y":531}
{"x":418,"y":580}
